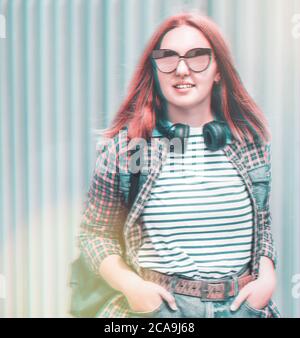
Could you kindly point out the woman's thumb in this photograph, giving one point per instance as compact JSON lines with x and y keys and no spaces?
{"x":169,"y":298}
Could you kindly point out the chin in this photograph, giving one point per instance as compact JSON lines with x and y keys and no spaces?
{"x":187,"y":104}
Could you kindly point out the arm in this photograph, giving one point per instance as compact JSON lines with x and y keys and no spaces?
{"x":259,"y":292}
{"x":266,"y":242}
{"x":129,"y":279}
{"x":141,"y":295}
{"x":104,"y":213}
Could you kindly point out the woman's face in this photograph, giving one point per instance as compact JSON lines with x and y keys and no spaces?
{"x":181,"y":40}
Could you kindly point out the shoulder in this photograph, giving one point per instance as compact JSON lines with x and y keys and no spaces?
{"x":109,"y":150}
{"x":113,"y":145}
{"x":253,"y":153}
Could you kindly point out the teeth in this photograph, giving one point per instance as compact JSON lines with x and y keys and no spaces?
{"x":184,"y":86}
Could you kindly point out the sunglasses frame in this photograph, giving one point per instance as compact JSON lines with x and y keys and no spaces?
{"x":180,"y":57}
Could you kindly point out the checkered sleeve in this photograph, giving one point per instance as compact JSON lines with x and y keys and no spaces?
{"x":104,"y":213}
{"x":266,"y":241}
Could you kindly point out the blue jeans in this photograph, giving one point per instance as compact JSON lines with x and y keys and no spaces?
{"x":194,"y":307}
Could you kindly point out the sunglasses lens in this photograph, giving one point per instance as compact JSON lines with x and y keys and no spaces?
{"x":167,"y":60}
{"x":199,"y":63}
{"x":167,"y":64}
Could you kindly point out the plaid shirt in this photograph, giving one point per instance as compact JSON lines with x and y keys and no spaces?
{"x":109,"y":228}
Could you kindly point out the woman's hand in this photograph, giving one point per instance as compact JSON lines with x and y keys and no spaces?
{"x":259,"y":292}
{"x":146,"y":296}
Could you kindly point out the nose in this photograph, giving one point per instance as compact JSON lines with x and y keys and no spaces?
{"x":182,"y":68}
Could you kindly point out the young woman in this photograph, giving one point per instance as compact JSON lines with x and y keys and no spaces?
{"x":197,"y":241}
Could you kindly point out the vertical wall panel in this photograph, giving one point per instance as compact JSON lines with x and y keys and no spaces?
{"x":65,"y":66}
{"x":7,"y":205}
{"x":64,"y":167}
{"x":295,"y":88}
{"x":33,"y":134}
{"x":274,"y":109}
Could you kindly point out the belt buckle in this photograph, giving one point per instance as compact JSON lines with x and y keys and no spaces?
{"x":209,"y":291}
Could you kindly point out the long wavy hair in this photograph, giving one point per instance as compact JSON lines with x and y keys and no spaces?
{"x":230,"y":100}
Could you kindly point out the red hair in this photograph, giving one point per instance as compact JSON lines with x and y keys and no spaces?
{"x":230,"y":100}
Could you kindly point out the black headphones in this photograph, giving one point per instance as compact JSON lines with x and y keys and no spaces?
{"x":216,"y":133}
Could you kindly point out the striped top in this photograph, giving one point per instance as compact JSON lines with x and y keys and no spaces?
{"x":198,"y":221}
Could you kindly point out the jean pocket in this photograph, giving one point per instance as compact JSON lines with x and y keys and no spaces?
{"x":260,"y":313}
{"x":147,"y":313}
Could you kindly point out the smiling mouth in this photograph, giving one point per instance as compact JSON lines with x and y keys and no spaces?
{"x":184,"y":86}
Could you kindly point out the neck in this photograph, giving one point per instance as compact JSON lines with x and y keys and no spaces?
{"x":192,"y":116}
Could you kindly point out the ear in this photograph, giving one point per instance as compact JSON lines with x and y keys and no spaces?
{"x":217,"y":77}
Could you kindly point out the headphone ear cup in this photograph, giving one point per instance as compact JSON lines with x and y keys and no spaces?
{"x":179,"y":130}
{"x":215,"y":135}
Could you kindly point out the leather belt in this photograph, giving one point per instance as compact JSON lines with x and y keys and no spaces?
{"x":206,"y":290}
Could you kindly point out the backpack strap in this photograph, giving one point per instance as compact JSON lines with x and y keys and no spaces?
{"x":134,"y":187}
{"x":131,"y":186}
{"x":134,"y":184}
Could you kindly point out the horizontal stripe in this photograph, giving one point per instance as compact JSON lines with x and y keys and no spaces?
{"x":231,"y":252}
{"x":204,"y":230}
{"x":232,"y":262}
{"x":201,"y":238}
{"x":195,"y":189}
{"x":149,"y":206}
{"x":198,"y":219}
{"x":199,"y":224}
{"x":196,"y":245}
{"x":187,"y":211}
